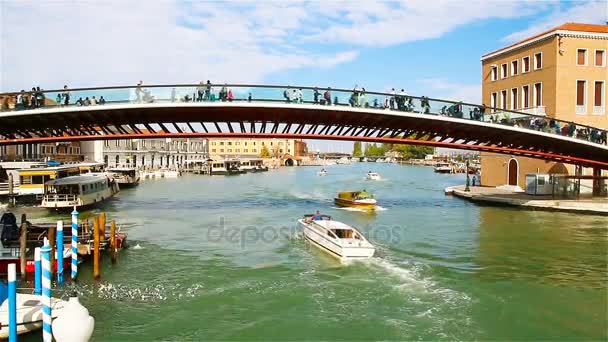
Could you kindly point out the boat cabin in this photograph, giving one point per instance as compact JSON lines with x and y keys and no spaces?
{"x":355,"y":195}
{"x":78,"y":191}
{"x":32,"y":180}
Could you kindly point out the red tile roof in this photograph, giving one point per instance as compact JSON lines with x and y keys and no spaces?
{"x":593,"y":28}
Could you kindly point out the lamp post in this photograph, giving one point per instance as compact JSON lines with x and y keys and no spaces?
{"x":466,"y":188}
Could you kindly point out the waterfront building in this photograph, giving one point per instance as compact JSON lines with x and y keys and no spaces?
{"x":290,"y":151}
{"x":62,"y":152}
{"x":560,"y":73}
{"x":165,"y":153}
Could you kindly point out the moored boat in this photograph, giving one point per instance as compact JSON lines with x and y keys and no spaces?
{"x":78,"y":191}
{"x":125,"y":176}
{"x":29,"y":313}
{"x":356,"y":199}
{"x":336,"y":238}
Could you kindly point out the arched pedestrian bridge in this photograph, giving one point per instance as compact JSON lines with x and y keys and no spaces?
{"x":254,"y":111}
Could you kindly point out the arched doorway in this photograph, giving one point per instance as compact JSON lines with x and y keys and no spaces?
{"x":513,"y":172}
{"x":289,"y":162}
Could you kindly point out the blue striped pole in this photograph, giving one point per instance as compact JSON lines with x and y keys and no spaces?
{"x":59,"y":253}
{"x":12,"y":303}
{"x":74,"y":243}
{"x":37,"y":272}
{"x":47,"y":335}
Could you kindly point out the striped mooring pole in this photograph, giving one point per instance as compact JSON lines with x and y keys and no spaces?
{"x":37,"y":272}
{"x":74,"y":243}
{"x":12,"y":303}
{"x":59,"y":253}
{"x":47,"y":334}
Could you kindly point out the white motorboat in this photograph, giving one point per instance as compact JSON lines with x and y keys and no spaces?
{"x":336,"y":238}
{"x":29,"y":313}
{"x":323,"y":172}
{"x":372,"y":176}
{"x":443,"y":167}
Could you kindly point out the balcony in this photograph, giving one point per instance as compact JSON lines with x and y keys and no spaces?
{"x":536,"y":110}
{"x":581,"y":109}
{"x":599,"y":110}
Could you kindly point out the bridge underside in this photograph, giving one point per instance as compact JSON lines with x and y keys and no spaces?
{"x":249,"y":120}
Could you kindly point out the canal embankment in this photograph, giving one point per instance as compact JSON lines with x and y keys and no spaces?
{"x":505,"y":197}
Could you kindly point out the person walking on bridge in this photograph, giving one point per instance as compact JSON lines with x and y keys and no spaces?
{"x":327,"y":96}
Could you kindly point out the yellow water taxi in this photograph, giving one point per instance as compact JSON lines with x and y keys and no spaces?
{"x":356,"y":199}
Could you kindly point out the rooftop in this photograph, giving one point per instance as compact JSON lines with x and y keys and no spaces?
{"x":77,"y":180}
{"x":570,"y":27}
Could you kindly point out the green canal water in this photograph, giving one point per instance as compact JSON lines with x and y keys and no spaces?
{"x":222,"y":258}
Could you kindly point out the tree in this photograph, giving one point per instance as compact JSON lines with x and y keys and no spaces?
{"x":357,"y":149}
{"x":265,"y":153}
{"x":413,"y":151}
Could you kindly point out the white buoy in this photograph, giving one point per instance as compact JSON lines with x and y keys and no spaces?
{"x":74,"y":324}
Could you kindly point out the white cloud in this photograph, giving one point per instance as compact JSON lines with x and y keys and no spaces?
{"x":589,"y":12}
{"x":88,"y":43}
{"x":444,"y":89}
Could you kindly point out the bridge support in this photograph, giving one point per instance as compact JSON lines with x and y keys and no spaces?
{"x":598,"y":182}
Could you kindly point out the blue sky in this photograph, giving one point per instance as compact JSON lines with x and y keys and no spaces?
{"x":427,"y":47}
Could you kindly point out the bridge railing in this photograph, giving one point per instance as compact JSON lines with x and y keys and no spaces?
{"x":297,"y":95}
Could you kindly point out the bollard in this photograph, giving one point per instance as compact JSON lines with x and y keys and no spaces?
{"x":51,"y":233}
{"x":23,"y":248}
{"x":59,"y":252}
{"x":12,"y":303}
{"x":96,"y":221}
{"x":47,"y":334}
{"x":74,"y":243}
{"x":113,"y":241}
{"x":37,"y":272}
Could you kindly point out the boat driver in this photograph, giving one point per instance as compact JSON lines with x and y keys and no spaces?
{"x":315,"y":217}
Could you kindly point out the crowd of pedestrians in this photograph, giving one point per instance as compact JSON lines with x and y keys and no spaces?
{"x":398,"y":101}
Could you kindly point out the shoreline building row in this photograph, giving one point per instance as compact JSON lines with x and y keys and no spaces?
{"x":561,"y":74}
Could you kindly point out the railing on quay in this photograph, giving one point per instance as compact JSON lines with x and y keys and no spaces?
{"x":528,"y":118}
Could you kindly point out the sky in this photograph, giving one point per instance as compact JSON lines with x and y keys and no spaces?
{"x":427,"y":47}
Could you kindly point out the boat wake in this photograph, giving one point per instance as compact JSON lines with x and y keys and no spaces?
{"x":361,"y":210}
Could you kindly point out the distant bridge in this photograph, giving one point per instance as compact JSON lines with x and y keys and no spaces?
{"x":253,"y":111}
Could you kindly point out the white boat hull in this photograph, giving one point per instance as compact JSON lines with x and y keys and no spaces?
{"x":29,"y":313}
{"x":346,"y":249}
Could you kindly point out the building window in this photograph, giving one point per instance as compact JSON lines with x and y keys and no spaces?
{"x":525,"y":96}
{"x":117,"y":159}
{"x":238,"y":150}
{"x":494,"y":73}
{"x":222,"y":150}
{"x":581,"y":56}
{"x":600,"y":58}
{"x":538,"y":61}
{"x":230,"y":143}
{"x":525,"y":64}
{"x":245,"y":150}
{"x":229,"y":150}
{"x":514,"y":98}
{"x":581,"y":96}
{"x":514,"y":68}
{"x":503,"y":99}
{"x":599,"y":99}
{"x":213,"y":150}
{"x":221,"y":143}
{"x":254,"y":150}
{"x":493,"y":102}
{"x":503,"y":71}
{"x":538,"y":94}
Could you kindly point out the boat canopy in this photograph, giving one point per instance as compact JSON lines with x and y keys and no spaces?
{"x":355,"y":195}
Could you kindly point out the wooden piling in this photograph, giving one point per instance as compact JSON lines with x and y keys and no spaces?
{"x":51,"y":235}
{"x":96,"y":222}
{"x":102,"y":226}
{"x":113,"y":241}
{"x":23,"y":246}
